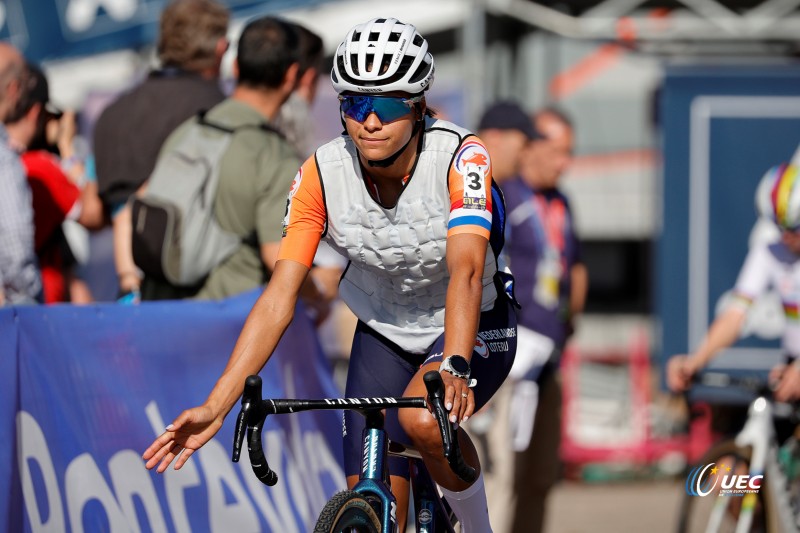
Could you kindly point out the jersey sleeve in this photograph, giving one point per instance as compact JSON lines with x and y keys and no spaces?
{"x":470,"y":184}
{"x":305,"y":217}
{"x":754,"y":276}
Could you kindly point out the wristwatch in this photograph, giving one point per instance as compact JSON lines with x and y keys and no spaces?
{"x":456,"y":365}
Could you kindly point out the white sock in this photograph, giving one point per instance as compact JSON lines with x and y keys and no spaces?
{"x":470,"y":507}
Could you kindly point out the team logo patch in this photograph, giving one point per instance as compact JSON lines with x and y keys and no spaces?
{"x":481,"y":348}
{"x":292,"y":191}
{"x":296,"y":182}
{"x":477,"y":159}
{"x":472,"y":153}
{"x":425,"y":516}
{"x":473,"y":162}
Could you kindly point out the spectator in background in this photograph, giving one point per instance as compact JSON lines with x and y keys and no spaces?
{"x":294,"y":120}
{"x":56,"y":197}
{"x":551,"y":285}
{"x":294,"y":117}
{"x":130,"y":132}
{"x":506,"y":130}
{"x":257,"y":168}
{"x":20,"y":282}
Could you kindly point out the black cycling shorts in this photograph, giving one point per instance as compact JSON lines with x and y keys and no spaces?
{"x":379,"y":368}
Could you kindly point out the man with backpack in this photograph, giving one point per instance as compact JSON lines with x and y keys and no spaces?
{"x":131,"y":131}
{"x":253,"y":171}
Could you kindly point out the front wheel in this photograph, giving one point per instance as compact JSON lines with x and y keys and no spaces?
{"x":719,"y":513}
{"x":348,"y":512}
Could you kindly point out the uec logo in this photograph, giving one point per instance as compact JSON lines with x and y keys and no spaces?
{"x":702,"y":481}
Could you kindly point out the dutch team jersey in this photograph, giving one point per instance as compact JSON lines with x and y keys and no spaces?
{"x":396,"y":279}
{"x":306,"y":218}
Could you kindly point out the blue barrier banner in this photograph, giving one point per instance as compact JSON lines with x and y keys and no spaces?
{"x":84,"y":390}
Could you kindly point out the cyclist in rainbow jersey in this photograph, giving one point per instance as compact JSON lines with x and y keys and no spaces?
{"x":773,"y":263}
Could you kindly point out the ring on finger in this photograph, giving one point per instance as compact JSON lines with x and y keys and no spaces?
{"x":464,"y":394}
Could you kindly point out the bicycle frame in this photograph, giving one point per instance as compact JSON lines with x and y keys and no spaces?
{"x":758,"y":433}
{"x":432,"y":511}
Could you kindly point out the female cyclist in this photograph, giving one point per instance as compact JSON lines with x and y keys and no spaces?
{"x":775,"y":264}
{"x":408,"y":200}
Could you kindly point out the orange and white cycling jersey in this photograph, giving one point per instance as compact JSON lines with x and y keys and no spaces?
{"x":470,"y":203}
{"x":397,"y":276}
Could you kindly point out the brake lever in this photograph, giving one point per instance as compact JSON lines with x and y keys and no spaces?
{"x":435,"y":387}
{"x":238,"y":432}
{"x":250,"y":397}
{"x":251,"y":420}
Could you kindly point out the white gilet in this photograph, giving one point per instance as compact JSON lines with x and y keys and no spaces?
{"x":396,"y":279}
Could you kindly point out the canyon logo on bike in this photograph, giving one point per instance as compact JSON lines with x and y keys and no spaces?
{"x":703,"y":480}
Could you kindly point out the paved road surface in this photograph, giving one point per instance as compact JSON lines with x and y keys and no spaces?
{"x":641,"y":507}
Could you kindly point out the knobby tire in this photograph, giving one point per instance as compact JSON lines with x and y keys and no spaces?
{"x":348,"y":512}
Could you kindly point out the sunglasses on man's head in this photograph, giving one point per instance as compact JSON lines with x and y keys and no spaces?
{"x":387,"y":108}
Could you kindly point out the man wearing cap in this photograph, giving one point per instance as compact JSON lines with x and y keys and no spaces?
{"x":521,"y":465}
{"x":506,"y":130}
{"x":551,"y":285}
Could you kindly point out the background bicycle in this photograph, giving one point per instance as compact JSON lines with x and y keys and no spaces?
{"x":749,"y":482}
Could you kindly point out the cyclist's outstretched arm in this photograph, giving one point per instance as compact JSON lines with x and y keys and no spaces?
{"x":265,"y":325}
{"x":723,"y":332}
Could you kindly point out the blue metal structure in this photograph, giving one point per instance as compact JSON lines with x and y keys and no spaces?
{"x":56,"y":29}
{"x":723,"y":127}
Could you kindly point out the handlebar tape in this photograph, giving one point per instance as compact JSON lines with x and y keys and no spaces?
{"x":252,"y":416}
{"x":435,"y":386}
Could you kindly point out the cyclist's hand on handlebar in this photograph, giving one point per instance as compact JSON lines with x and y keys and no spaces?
{"x":775,"y":374}
{"x":459,"y":399}
{"x":788,"y":389}
{"x":680,"y":369}
{"x":191,"y":430}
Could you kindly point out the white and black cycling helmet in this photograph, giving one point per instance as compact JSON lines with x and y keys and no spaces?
{"x":778,"y":196}
{"x":381,"y":56}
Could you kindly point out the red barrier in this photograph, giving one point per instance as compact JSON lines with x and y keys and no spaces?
{"x":617,"y":428}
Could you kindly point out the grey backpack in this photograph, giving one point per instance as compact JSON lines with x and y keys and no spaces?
{"x":176,"y":236}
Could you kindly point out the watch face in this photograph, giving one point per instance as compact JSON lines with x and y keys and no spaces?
{"x":459,"y":364}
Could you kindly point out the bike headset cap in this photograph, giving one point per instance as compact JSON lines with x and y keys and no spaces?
{"x":778,"y":196}
{"x":380,"y":56}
